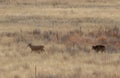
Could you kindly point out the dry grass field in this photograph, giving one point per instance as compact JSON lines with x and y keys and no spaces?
{"x":68,"y":29}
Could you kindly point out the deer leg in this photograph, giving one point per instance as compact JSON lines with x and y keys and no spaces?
{"x":97,"y":51}
{"x":102,"y":51}
{"x":43,"y":50}
{"x":40,"y":51}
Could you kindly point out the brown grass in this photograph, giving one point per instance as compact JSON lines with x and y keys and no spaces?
{"x":67,"y":29}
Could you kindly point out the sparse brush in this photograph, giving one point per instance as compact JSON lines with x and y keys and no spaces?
{"x":36,"y":32}
{"x":9,"y":34}
{"x":114,"y":32}
{"x":68,"y":29}
{"x":102,"y":39}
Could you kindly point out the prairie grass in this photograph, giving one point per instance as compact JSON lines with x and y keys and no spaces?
{"x":68,"y":29}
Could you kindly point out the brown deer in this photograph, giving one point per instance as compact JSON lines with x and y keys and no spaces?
{"x":98,"y":48}
{"x":36,"y":48}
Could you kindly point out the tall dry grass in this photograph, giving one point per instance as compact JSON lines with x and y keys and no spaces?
{"x":68,"y":29}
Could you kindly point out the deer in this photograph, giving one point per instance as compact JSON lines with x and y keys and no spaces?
{"x":36,"y":48}
{"x":98,"y":48}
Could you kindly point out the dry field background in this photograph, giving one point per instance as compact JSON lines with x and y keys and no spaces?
{"x":67,"y":29}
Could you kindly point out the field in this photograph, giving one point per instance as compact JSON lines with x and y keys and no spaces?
{"x":68,"y":29}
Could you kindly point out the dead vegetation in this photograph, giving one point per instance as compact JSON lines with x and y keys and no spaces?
{"x":71,"y":39}
{"x":68,"y":29}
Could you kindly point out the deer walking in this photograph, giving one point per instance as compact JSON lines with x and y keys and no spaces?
{"x":98,"y":48}
{"x":36,"y":48}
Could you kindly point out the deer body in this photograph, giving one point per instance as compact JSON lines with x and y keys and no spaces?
{"x":98,"y":48}
{"x":36,"y":48}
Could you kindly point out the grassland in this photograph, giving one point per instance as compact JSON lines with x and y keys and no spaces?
{"x":67,"y":29}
